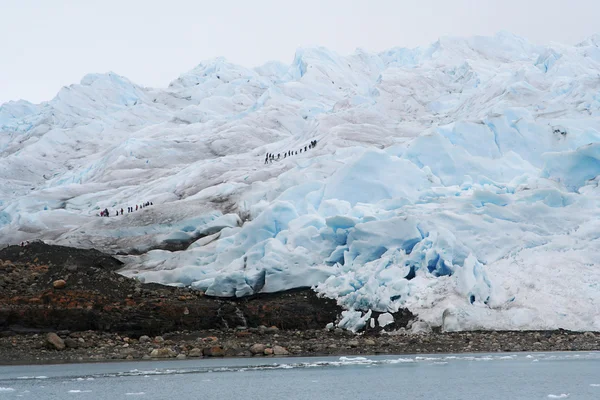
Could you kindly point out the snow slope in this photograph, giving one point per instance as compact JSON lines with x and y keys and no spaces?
{"x":459,"y":180}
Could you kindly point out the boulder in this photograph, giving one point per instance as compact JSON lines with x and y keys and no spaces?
{"x":195,"y":352}
{"x":268,"y":351}
{"x":164,"y":352}
{"x":258,"y":348}
{"x":181,"y":357}
{"x":59,"y":284}
{"x":144,"y":339}
{"x":280,"y":351}
{"x":54,"y":341}
{"x":214,"y":351}
{"x":71,"y":343}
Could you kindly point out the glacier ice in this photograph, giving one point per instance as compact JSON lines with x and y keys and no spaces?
{"x":458,"y":180}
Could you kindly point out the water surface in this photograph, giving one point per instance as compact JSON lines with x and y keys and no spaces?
{"x":439,"y":377}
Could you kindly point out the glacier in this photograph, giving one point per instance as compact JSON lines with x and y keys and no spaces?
{"x":458,"y":180}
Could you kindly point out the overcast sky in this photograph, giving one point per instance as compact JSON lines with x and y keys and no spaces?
{"x":47,"y":44}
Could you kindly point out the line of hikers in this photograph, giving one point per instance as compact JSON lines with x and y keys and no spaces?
{"x":271,"y":157}
{"x":106,"y":213}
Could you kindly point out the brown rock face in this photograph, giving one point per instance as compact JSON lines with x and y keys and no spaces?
{"x":55,"y":342}
{"x":214,"y":351}
{"x":59,"y":284}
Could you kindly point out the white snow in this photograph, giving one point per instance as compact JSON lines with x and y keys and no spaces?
{"x":458,"y":180}
{"x":6,"y":389}
{"x":558,"y":396}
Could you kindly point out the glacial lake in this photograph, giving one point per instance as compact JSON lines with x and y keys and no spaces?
{"x":436,"y":377}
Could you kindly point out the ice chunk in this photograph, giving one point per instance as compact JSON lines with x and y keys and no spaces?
{"x":354,"y":321}
{"x":385,"y":319}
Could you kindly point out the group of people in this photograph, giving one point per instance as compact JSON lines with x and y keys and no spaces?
{"x":106,"y":213}
{"x":271,"y":157}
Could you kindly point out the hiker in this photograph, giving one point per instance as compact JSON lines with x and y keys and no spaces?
{"x":151,"y":204}
{"x":284,"y":155}
{"x":267,"y":158}
{"x":136,"y":207}
{"x":300,"y":151}
{"x":305,"y":149}
{"x":106,"y":213}
{"x":278,"y":156}
{"x":121,"y":211}
{"x":296,"y":152}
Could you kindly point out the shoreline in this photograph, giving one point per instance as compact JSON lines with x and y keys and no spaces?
{"x":263,"y":342}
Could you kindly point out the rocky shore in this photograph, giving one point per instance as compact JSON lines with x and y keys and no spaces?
{"x":65,"y":346}
{"x":60,"y":304}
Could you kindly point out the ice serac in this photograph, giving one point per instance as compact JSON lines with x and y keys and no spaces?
{"x":459,"y":180}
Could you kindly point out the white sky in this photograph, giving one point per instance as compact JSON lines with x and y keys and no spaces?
{"x":47,"y":44}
